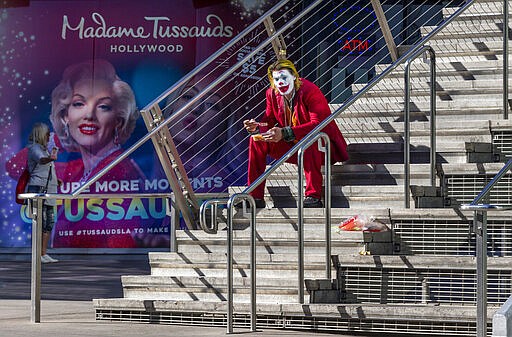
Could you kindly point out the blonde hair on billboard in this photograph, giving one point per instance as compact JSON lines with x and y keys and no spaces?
{"x":95,"y":70}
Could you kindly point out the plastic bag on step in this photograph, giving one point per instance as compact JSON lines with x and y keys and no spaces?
{"x":363,"y":223}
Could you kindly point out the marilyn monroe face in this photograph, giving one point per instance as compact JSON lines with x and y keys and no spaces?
{"x":91,"y":116}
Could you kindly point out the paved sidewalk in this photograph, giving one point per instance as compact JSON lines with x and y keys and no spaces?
{"x":66,"y":307}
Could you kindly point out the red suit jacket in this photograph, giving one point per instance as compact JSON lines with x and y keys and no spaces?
{"x":312,"y":108}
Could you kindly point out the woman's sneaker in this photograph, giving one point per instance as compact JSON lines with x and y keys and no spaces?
{"x":48,"y":259}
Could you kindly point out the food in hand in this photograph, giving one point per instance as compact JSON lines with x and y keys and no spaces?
{"x":260,"y":136}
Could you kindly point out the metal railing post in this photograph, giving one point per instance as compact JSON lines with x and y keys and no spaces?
{"x":300,"y":208}
{"x":407,"y":136}
{"x":433,"y":117}
{"x":407,"y":121}
{"x":480,"y":227}
{"x":300,"y":227}
{"x":232,"y":201}
{"x":172,"y":212}
{"x":35,"y":210}
{"x":505,"y":59}
{"x":35,"y":279}
{"x":229,"y":252}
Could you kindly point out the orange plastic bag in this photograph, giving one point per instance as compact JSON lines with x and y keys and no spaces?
{"x":363,"y":223}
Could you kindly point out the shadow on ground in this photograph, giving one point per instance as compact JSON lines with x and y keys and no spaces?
{"x":73,"y":280}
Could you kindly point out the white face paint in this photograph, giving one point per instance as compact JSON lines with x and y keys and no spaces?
{"x":283,"y":81}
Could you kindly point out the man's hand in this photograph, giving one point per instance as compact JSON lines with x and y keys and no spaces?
{"x":273,"y":135}
{"x":251,"y":125}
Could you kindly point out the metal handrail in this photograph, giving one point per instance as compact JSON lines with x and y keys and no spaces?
{"x":480,"y":229}
{"x":480,"y":210}
{"x":327,"y":205}
{"x":231,"y":202}
{"x":407,"y":120}
{"x":355,"y":97}
{"x":487,"y":189}
{"x":315,"y":134}
{"x":35,"y":206}
{"x":213,"y":216}
{"x":197,"y":97}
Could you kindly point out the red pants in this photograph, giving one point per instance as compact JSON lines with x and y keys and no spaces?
{"x":313,"y":160}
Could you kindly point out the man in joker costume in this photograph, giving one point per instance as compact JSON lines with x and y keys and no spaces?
{"x":295,"y":106}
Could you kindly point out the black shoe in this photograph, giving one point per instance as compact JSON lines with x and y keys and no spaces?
{"x":260,"y":203}
{"x":311,"y":202}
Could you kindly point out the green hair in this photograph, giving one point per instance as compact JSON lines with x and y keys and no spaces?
{"x":280,"y":65}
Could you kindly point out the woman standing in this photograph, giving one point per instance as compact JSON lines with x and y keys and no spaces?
{"x":43,"y":179}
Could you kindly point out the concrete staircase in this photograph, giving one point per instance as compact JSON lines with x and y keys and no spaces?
{"x":418,"y":277}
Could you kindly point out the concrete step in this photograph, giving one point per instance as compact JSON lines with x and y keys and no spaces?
{"x":444,"y":94}
{"x":446,"y":133}
{"x":417,"y":128}
{"x":432,"y":231}
{"x":315,"y":250}
{"x":389,"y":109}
{"x":461,"y":29}
{"x":421,"y":139}
{"x":277,"y":232}
{"x":444,"y":86}
{"x":277,"y":236}
{"x":274,"y":218}
{"x":172,"y":282}
{"x":352,"y":185}
{"x":199,"y":256}
{"x":419,"y":145}
{"x":360,"y":311}
{"x":345,"y":246}
{"x":433,"y":214}
{"x":281,"y":195}
{"x":466,"y":50}
{"x":205,"y":288}
{"x":461,"y":69}
{"x":422,"y":262}
{"x":479,"y":10}
{"x":354,"y":175}
{"x":269,"y":217}
{"x":210,"y":269}
{"x":355,"y":171}
{"x":472,"y":168}
{"x":388,"y":150}
{"x":389,"y":318}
